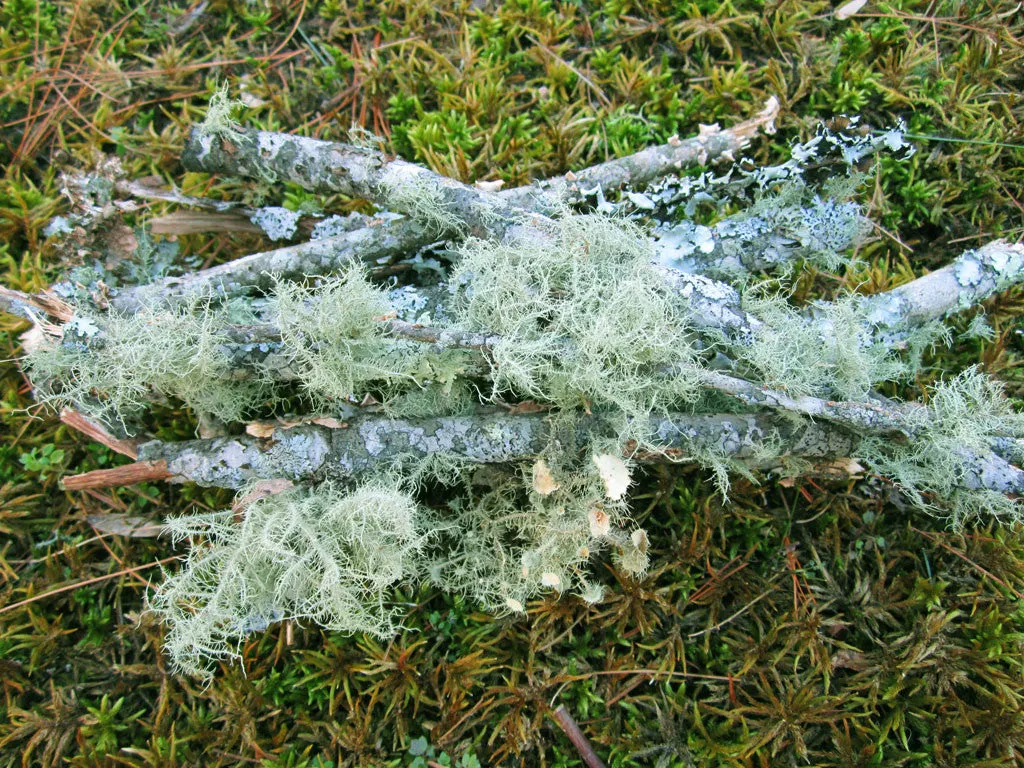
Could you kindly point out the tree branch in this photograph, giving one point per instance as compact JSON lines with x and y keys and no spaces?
{"x":967,"y":281}
{"x":313,"y":451}
{"x":324,"y":166}
{"x":343,"y":452}
{"x":381,"y":240}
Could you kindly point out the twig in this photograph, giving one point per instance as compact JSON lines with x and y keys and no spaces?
{"x":129,"y":474}
{"x":97,"y":432}
{"x":966,"y":281}
{"x":640,"y":169}
{"x":569,"y":727}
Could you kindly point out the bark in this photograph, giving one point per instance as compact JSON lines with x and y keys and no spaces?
{"x":129,"y":474}
{"x":315,"y":452}
{"x":381,"y":241}
{"x":312,"y":452}
{"x":640,"y":169}
{"x":966,"y":282}
{"x":869,"y":417}
{"x":323,"y":166}
{"x":34,"y":306}
{"x":97,"y":432}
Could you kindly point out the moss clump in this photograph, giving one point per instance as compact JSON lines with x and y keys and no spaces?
{"x":584,"y":321}
{"x":324,"y":555}
{"x":112,"y":366}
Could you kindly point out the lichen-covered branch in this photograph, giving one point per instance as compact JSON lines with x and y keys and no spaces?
{"x":867,"y":417}
{"x":381,"y":241}
{"x":314,"y":452}
{"x":323,"y":166}
{"x":774,"y":237}
{"x":640,"y":169}
{"x":966,"y":282}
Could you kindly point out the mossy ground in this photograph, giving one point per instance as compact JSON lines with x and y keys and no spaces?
{"x":801,"y":623}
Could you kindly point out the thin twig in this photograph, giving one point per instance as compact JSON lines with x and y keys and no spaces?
{"x":95,"y":431}
{"x":738,"y":613}
{"x":569,"y":727}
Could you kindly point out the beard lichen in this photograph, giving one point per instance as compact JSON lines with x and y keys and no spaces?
{"x":335,"y":336}
{"x":324,"y":555}
{"x":113,"y":366}
{"x":581,"y":325}
{"x":939,"y":469}
{"x":585,"y":324}
{"x":828,"y":350}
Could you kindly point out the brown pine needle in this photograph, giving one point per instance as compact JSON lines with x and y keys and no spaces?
{"x":87,"y":582}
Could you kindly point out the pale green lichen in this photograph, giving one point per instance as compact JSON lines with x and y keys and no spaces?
{"x":219,"y":119}
{"x":961,"y":418}
{"x":406,"y":188}
{"x":832,"y":355}
{"x":326,"y":556}
{"x":512,"y":543}
{"x":116,"y":371}
{"x":585,"y":322}
{"x":335,"y":334}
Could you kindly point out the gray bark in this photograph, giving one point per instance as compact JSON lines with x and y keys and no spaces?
{"x":869,"y":417}
{"x":966,"y":282}
{"x":314,"y":452}
{"x":323,"y":166}
{"x":326,"y":166}
{"x":379,"y":242}
{"x":640,"y":169}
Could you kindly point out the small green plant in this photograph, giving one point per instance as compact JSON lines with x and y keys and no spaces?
{"x":44,"y":460}
{"x":424,"y":755}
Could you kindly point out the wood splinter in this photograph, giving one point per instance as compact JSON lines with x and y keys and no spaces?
{"x":129,"y":474}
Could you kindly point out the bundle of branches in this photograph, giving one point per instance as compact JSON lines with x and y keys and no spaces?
{"x":460,"y":386}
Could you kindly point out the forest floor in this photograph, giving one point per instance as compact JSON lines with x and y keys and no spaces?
{"x":800,"y":623}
